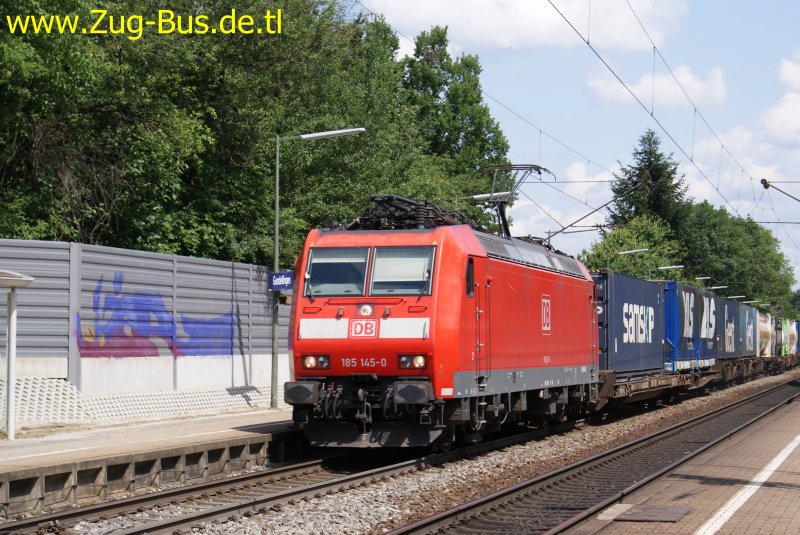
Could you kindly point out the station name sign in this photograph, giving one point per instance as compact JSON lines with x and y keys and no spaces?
{"x":281,"y":280}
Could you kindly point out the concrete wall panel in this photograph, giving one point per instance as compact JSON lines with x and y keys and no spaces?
{"x":104,"y":376}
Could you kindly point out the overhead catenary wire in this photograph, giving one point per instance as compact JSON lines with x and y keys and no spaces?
{"x":697,"y":113}
{"x":643,"y":106}
{"x":518,"y":115}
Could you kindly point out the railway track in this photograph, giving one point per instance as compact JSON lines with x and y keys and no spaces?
{"x":180,"y":508}
{"x":557,"y":501}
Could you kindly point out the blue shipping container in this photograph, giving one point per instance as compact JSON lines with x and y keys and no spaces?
{"x":631,"y":325}
{"x":748,"y":316}
{"x":728,"y":329}
{"x":690,"y":327}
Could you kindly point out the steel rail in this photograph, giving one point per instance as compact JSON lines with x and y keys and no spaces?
{"x":262,"y":504}
{"x":215,"y":489}
{"x":96,"y":511}
{"x":667,"y":469}
{"x":454,"y":517}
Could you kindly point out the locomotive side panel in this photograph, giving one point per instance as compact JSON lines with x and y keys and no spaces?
{"x":539,"y":332}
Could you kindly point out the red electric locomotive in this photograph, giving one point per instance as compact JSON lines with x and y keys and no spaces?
{"x":410,"y":329}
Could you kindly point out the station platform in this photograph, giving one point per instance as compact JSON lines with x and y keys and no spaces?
{"x":747,"y":484}
{"x":74,"y":467}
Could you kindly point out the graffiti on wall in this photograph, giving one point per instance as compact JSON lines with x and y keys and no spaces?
{"x":139,"y":324}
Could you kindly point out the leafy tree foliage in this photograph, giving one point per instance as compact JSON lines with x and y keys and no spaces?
{"x":167,"y":143}
{"x":641,"y":232}
{"x":738,"y":253}
{"x":452,"y":117}
{"x":649,"y":186}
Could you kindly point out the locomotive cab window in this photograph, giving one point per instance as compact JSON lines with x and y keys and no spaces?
{"x":336,"y":271}
{"x":470,"y":278}
{"x":402,"y":271}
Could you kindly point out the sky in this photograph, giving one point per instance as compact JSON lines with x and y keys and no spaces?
{"x":734,"y":112}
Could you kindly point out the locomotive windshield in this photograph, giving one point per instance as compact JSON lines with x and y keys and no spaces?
{"x":336,"y":271}
{"x":402,"y":271}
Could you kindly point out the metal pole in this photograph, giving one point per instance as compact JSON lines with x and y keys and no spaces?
{"x":273,"y":394}
{"x":11,"y":360}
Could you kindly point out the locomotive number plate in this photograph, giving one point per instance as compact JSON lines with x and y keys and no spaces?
{"x":364,"y":362}
{"x":363,"y":328}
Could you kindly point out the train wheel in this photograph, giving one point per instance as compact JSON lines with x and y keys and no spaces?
{"x":444,"y":443}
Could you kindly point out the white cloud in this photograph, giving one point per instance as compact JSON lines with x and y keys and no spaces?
{"x":590,"y":190}
{"x":709,"y":91}
{"x":526,"y":24}
{"x":782,"y":120}
{"x":789,"y":73}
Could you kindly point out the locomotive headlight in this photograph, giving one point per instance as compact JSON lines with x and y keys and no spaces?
{"x":365,"y":309}
{"x":311,"y":362}
{"x":412,"y":361}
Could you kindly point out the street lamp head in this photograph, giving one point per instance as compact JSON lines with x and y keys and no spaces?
{"x":632,"y":251}
{"x":498,"y":196}
{"x":735,"y":296}
{"x":717,"y":287}
{"x":702,"y":278}
{"x":678,"y":266}
{"x":330,"y":133}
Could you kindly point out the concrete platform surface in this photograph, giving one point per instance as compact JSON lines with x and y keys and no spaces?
{"x":749,"y":484}
{"x":131,"y":439}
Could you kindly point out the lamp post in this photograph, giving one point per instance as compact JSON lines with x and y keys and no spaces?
{"x":273,"y":399}
{"x":12,"y":281}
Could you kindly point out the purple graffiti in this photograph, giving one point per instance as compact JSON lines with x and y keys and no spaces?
{"x":140,"y":325}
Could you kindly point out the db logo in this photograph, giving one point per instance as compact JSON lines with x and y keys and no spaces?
{"x":545,"y":314}
{"x":363,"y":328}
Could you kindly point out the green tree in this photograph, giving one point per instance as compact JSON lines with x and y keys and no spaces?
{"x":167,"y":143}
{"x":735,"y":252}
{"x":453,"y":119}
{"x":641,"y":232}
{"x":649,"y":186}
{"x":794,"y":302}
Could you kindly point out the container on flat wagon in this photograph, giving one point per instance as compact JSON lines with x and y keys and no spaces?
{"x":765,"y":334}
{"x":630,"y":317}
{"x":729,"y":345}
{"x":690,"y":327}
{"x":792,"y":337}
{"x":748,"y":331}
{"x":783,"y":342}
